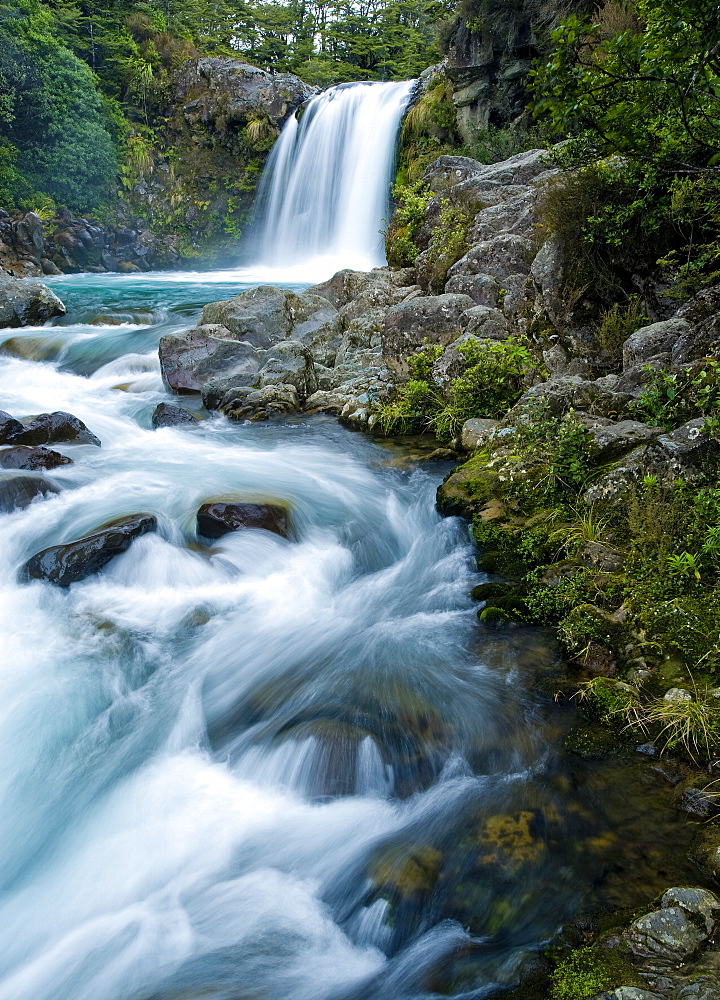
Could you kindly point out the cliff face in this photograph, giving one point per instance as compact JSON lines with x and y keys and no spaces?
{"x":490,"y":48}
{"x":198,"y":184}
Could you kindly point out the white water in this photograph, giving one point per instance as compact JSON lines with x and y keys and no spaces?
{"x":323,"y":200}
{"x":206,"y":750}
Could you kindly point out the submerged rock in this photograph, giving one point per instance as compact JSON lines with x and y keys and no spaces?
{"x":25,"y":457}
{"x":167,"y":415}
{"x":217,"y":519}
{"x":17,"y":492}
{"x":73,"y":561}
{"x":49,"y":428}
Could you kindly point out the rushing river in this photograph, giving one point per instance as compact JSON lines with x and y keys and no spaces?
{"x":267,"y":768}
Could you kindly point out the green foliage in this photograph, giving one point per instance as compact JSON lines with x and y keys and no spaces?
{"x":494,"y":143}
{"x":448,"y":243}
{"x":618,"y":322}
{"x":400,"y":246}
{"x":52,"y":116}
{"x":561,"y":443}
{"x":490,"y":383}
{"x":648,"y":91}
{"x":670,"y":399}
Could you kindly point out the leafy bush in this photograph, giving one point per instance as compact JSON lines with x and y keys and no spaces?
{"x":618,"y":322}
{"x":448,"y":243}
{"x":490,"y":384}
{"x":400,"y":246}
{"x":561,"y":443}
{"x":670,"y":399}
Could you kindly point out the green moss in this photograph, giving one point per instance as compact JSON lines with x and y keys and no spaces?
{"x":590,"y":971}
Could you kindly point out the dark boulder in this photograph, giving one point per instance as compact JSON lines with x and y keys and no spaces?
{"x":9,"y":427}
{"x":20,"y":491}
{"x":217,"y":519}
{"x":167,"y":415}
{"x":25,"y":457}
{"x":49,"y":428}
{"x":73,"y":561}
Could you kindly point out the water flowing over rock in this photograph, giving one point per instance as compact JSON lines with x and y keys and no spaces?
{"x":216,"y":519}
{"x":50,"y":428}
{"x":73,"y":561}
{"x":324,"y":194}
{"x":17,"y":492}
{"x":25,"y":457}
{"x":26,"y":303}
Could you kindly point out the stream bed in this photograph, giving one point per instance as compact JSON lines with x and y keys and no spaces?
{"x":288,"y":769}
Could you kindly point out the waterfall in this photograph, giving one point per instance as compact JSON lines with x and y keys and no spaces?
{"x":323,"y":197}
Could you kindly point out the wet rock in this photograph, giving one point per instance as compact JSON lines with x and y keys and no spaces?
{"x":627,"y":993}
{"x":188,"y":361}
{"x":698,"y":802}
{"x":20,"y":491}
{"x":245,"y":403}
{"x":25,"y":457}
{"x":167,"y":415}
{"x":700,"y":902}
{"x":56,"y":427}
{"x":676,"y":932}
{"x":289,"y":363}
{"x":701,"y":988}
{"x":9,"y":427}
{"x":435,"y":319}
{"x":705,"y":852}
{"x":26,"y":303}
{"x":258,"y":316}
{"x":73,"y":561}
{"x":649,"y":341}
{"x":217,"y":519}
{"x":476,"y":431}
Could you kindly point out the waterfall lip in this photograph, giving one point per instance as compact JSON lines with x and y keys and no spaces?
{"x":323,"y":198}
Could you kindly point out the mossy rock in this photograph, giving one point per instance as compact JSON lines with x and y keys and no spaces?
{"x":487,"y":591}
{"x":592,"y":741}
{"x":469,"y":487}
{"x":494,"y":616}
{"x":592,"y":970}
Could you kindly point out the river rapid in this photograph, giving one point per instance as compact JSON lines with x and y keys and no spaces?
{"x":268,"y":768}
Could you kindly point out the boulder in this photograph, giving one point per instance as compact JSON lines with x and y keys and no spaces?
{"x":188,"y":361}
{"x":476,"y":431}
{"x":25,"y":457}
{"x":486,"y":323}
{"x":20,"y":491}
{"x":73,"y":561}
{"x":232,"y":91}
{"x":571,"y":392}
{"x":435,"y":319}
{"x":649,"y":341}
{"x":168,"y":415}
{"x":627,"y":993}
{"x":258,"y":316}
{"x":218,"y":518}
{"x":245,"y":403}
{"x":547,"y":271}
{"x":289,"y":363}
{"x":481,"y":288}
{"x":690,"y":442}
{"x":675,"y":933}
{"x":611,"y":439}
{"x":499,"y":257}
{"x":316,"y":324}
{"x":51,"y":428}
{"x":26,"y":303}
{"x":9,"y":427}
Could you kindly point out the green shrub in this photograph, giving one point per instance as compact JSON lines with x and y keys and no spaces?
{"x":670,"y":399}
{"x":448,"y":243}
{"x":618,"y":322}
{"x":562,"y":444}
{"x":408,"y":218}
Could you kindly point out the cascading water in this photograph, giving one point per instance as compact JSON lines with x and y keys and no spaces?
{"x":267,"y":767}
{"x":324,"y":195}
